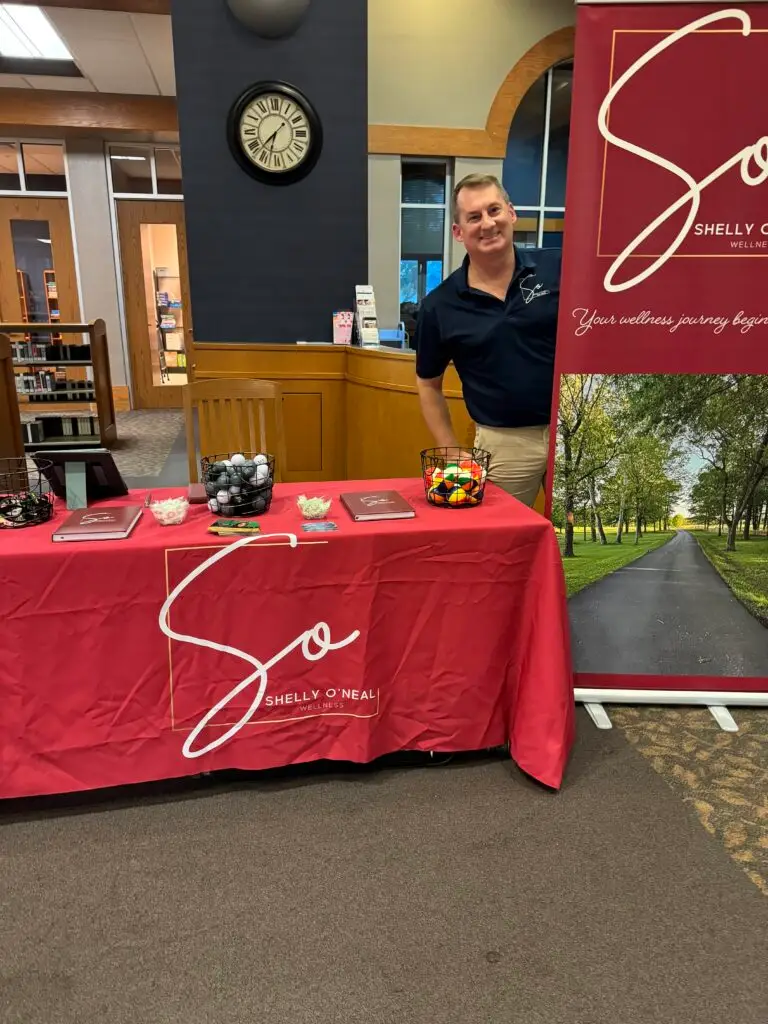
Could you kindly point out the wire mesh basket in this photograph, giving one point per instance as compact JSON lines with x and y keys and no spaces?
{"x":25,"y":500}
{"x":238,"y":484}
{"x":455,"y":477}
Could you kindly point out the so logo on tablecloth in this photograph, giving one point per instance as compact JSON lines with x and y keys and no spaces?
{"x":314,"y":644}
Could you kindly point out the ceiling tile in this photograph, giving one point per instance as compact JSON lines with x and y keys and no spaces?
{"x":154,"y":35}
{"x":106,"y":49}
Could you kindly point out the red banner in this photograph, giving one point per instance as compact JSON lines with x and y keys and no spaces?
{"x":660,"y":432}
{"x":667,"y":200}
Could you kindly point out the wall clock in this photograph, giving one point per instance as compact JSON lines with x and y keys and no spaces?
{"x":274,"y":133}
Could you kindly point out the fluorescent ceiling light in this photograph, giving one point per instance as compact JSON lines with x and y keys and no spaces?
{"x":27,"y":32}
{"x":45,"y":241}
{"x":120,"y":156}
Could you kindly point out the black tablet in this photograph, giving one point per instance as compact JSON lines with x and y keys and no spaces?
{"x":102,"y":477}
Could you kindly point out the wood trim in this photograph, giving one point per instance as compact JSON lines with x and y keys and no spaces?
{"x":490,"y":142}
{"x":128,"y":6}
{"x":552,"y":49}
{"x":414,"y":140}
{"x":30,"y":109}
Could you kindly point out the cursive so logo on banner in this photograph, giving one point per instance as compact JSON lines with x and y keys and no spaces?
{"x":315,"y":643}
{"x":751,"y":160}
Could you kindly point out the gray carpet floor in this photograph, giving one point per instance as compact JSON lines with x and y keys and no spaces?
{"x":462,"y":894}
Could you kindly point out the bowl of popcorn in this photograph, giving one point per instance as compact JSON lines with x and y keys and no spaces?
{"x":170,"y":511}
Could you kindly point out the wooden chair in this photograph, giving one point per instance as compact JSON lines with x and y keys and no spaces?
{"x":11,"y":438}
{"x":235,"y":415}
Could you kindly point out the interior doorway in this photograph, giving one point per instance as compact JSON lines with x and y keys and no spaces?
{"x":153,"y":250}
{"x":38,"y":281}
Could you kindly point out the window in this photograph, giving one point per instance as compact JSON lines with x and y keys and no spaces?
{"x":537,"y":157}
{"x":424,"y":231}
{"x":137,"y":170}
{"x":32,"y":167}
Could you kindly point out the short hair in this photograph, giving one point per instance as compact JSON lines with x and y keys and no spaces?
{"x":475,"y":181}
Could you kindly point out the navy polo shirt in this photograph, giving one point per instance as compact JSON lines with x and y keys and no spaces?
{"x":503,"y":351}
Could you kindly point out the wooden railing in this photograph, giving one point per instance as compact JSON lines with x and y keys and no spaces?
{"x":11,"y":442}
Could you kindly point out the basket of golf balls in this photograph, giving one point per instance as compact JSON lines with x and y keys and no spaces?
{"x":455,"y":477}
{"x":239,"y":484}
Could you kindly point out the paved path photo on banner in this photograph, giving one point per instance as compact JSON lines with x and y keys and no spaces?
{"x":668,"y":613}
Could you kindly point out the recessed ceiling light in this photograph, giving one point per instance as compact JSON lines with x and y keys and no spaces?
{"x":27,"y":32}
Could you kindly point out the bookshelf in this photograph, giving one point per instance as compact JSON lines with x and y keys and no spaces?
{"x":67,"y":383}
{"x":52,"y":300}
{"x":170,"y":324}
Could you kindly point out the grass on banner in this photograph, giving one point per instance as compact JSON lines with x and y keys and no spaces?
{"x":745,"y":570}
{"x":594,"y":561}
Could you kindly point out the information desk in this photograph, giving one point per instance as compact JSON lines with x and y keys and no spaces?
{"x":445,"y":632}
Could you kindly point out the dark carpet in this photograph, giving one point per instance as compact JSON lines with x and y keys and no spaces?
{"x":462,"y":894}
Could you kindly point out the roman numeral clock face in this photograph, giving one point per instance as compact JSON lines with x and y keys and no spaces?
{"x":275,"y":133}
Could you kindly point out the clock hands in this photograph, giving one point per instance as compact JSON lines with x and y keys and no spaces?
{"x":271,"y":138}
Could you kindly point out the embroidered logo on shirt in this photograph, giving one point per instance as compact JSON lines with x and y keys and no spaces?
{"x":531,"y":291}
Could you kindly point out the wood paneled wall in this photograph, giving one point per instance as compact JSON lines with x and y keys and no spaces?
{"x":350,"y":413}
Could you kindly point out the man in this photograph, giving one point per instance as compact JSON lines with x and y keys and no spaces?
{"x":495,"y":318}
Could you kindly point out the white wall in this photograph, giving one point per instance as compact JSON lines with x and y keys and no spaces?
{"x":384,"y":237}
{"x":94,"y":253}
{"x":439,"y":63}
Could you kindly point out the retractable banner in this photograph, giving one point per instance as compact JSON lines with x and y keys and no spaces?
{"x":659,"y":465}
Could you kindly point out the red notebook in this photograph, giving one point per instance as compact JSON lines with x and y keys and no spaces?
{"x":99,"y":523}
{"x":368,"y":505}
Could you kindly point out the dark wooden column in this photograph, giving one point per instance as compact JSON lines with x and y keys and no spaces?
{"x":269,"y":263}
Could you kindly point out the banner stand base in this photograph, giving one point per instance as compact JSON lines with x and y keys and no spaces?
{"x":598,"y":715}
{"x":724,"y":718}
{"x":715,"y":701}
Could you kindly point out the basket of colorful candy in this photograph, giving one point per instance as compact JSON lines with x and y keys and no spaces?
{"x":455,"y":477}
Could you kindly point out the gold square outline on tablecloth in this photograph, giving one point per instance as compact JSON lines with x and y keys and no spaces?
{"x":272,"y":721}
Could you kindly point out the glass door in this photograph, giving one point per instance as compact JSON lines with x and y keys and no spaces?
{"x":38,"y":285}
{"x":155,"y":278}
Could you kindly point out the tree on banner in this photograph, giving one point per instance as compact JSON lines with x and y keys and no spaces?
{"x":724,"y":418}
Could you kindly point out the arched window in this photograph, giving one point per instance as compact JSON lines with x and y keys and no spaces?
{"x":537,"y":156}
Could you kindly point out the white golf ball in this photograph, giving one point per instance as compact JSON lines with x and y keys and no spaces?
{"x":213,"y":505}
{"x":234,"y":489}
{"x":262,"y":472}
{"x":260,"y":460}
{"x":222,"y":497}
{"x":238,"y":460}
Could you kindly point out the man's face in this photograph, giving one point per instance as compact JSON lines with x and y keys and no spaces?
{"x":485,"y":221}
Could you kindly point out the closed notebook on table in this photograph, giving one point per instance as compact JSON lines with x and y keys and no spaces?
{"x":365,"y":506}
{"x":105,"y":523}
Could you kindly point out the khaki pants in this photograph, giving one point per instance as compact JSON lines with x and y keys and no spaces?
{"x":518,"y":458}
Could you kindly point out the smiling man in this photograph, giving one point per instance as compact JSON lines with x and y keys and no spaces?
{"x":495,"y":318}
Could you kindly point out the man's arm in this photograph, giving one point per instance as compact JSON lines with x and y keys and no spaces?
{"x":432,"y":358}
{"x":434,"y":409}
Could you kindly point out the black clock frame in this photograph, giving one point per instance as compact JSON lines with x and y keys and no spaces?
{"x":290,"y":92}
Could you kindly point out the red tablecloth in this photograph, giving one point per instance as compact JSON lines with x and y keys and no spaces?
{"x":445,"y":632}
